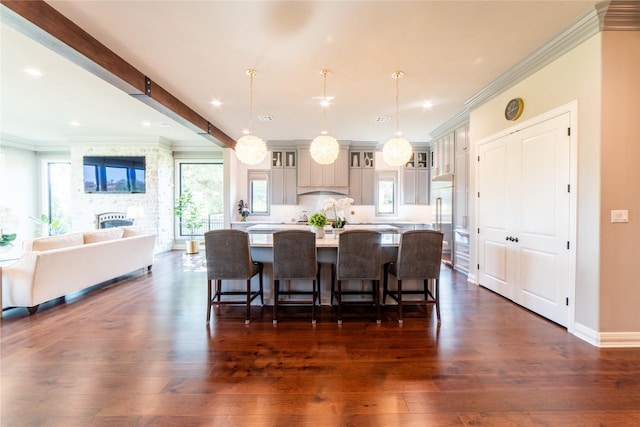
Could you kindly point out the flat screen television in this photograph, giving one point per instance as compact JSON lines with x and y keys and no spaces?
{"x":114,"y":174}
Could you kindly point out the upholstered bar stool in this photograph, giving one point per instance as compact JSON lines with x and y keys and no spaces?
{"x":359,"y":255}
{"x":228,"y":254}
{"x":419,"y":257}
{"x":295,"y":258}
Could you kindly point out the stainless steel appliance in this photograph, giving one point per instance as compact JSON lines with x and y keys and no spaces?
{"x":442,"y":214}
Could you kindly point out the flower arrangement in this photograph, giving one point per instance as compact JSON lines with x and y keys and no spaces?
{"x":339,"y":207}
{"x":243,"y":210}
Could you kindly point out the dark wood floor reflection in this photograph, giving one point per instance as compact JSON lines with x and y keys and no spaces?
{"x":138,"y":353}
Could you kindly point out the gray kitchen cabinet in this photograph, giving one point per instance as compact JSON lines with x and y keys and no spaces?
{"x":442,"y":157}
{"x":362,"y":177}
{"x":283,"y":177}
{"x":313,"y":176}
{"x":415,"y":179}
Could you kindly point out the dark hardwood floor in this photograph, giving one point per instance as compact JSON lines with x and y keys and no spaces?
{"x":138,"y":353}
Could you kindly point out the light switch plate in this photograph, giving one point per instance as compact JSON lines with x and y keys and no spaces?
{"x":621,"y":215}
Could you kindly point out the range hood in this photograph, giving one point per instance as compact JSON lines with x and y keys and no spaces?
{"x":323,"y":190}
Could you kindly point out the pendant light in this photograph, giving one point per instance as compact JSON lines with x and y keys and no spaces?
{"x":251,"y":149}
{"x":324,"y":148}
{"x":397,"y":151}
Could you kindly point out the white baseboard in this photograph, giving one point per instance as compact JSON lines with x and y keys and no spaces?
{"x":607,"y":339}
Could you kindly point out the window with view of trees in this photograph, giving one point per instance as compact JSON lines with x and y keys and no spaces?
{"x":205,"y":181}
{"x":259,"y":191}
{"x":386,"y":192}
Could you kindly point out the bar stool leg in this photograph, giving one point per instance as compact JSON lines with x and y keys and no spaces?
{"x":400,"y":319}
{"x":339,"y":298}
{"x":209,"y":302}
{"x":247,"y":319}
{"x":276,"y":288}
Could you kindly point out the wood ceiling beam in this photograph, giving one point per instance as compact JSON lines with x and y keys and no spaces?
{"x":46,"y":25}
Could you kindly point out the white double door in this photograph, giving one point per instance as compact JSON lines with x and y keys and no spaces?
{"x":524,"y":217}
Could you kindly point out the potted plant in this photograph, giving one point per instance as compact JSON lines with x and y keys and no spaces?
{"x":190,"y":214}
{"x":317,"y":221}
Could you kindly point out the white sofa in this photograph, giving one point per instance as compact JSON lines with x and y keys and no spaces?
{"x":51,"y":267}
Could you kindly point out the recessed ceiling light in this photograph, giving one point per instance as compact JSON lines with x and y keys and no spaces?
{"x":216,"y":103}
{"x":156,"y":124}
{"x":32,"y":71}
{"x":74,"y":123}
{"x":383,"y":119}
{"x":427,"y":104}
{"x":265,"y":118}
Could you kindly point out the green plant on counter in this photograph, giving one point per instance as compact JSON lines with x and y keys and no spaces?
{"x":318,"y":220}
{"x":6,"y":239}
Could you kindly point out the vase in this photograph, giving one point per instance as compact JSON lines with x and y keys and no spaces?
{"x":337,"y":232}
{"x":319,"y":232}
{"x":191,"y":246}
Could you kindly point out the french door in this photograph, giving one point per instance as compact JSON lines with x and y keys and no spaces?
{"x":524,"y":217}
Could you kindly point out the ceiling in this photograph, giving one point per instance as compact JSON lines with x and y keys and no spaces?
{"x":199,"y":51}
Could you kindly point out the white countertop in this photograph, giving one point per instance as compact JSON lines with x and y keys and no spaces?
{"x":293,"y":226}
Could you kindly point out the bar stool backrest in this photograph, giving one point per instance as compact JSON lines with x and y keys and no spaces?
{"x":294,"y":255}
{"x":359,"y":255}
{"x":228,"y":254}
{"x":419,"y":255}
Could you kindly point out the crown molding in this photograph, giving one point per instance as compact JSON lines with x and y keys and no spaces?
{"x":623,"y":15}
{"x":581,"y":30}
{"x":460,"y":119}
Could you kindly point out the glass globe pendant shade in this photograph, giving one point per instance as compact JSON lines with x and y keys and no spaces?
{"x":324,"y":149}
{"x":251,"y":149}
{"x":397,"y":151}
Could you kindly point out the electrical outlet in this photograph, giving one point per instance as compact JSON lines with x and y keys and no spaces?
{"x":621,"y":215}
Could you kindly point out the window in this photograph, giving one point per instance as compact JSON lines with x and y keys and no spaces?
{"x":205,"y":181}
{"x":386,"y":192}
{"x":58,"y":198}
{"x":259,"y":192}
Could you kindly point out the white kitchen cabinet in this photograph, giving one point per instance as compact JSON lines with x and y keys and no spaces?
{"x":283,"y":177}
{"x":362,"y":177}
{"x":415,"y":179}
{"x":313,"y":176}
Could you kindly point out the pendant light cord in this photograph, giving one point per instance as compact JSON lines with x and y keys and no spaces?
{"x":396,"y":75}
{"x":251,"y":72}
{"x":324,"y":100}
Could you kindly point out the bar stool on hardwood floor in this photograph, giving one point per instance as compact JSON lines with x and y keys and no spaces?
{"x":359,"y":255}
{"x":295,"y":258}
{"x":228,"y":255}
{"x":419,"y":257}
